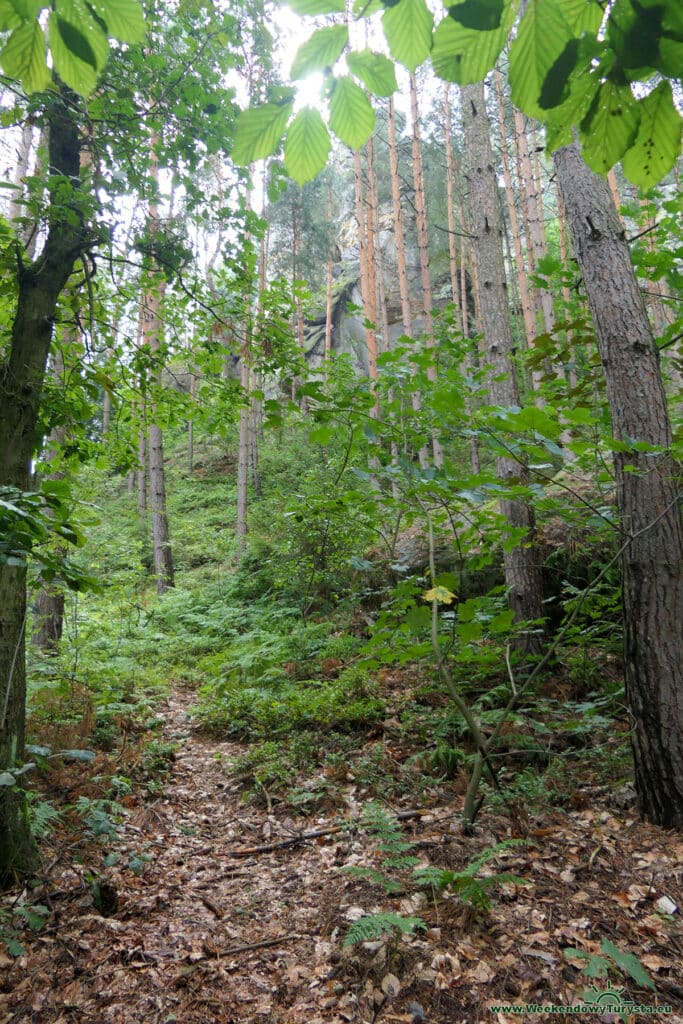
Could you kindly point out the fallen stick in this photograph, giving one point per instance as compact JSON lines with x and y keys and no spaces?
{"x":302,"y":837}
{"x":254,"y":945}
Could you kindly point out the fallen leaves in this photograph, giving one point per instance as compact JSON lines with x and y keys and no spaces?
{"x":199,"y":941}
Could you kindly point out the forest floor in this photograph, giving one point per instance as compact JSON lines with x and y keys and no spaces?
{"x":213,"y":909}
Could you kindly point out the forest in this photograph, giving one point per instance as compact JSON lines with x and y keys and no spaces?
{"x":341,"y":536}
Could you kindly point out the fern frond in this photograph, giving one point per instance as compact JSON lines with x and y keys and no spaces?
{"x":374,"y":926}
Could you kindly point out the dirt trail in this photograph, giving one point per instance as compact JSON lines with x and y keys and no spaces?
{"x":199,"y":935}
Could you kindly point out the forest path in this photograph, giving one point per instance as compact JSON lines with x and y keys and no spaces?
{"x":172,"y":950}
{"x":190,"y":931}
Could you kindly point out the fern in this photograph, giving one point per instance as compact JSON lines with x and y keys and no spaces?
{"x":375,"y":926}
{"x":390,"y":886}
{"x":469,"y":887}
{"x":42,"y":814}
{"x":392,"y":845}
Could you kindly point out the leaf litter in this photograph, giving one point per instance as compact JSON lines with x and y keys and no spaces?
{"x":221,"y":912}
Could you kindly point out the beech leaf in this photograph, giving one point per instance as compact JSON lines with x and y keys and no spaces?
{"x":352,"y":117}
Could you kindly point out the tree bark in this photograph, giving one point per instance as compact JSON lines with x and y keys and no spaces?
{"x":48,"y":605}
{"x":458,"y":278}
{"x":22,"y":373}
{"x":328,"y":275}
{"x":524,"y":296}
{"x":648,"y":496}
{"x":366,"y":263}
{"x":399,"y":233}
{"x":522,"y":563}
{"x":423,"y":245}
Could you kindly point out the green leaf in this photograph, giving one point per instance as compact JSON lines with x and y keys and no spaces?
{"x":375,"y":71}
{"x":557,"y":83}
{"x":541,"y":39}
{"x":322,"y":50}
{"x":313,"y":7}
{"x":80,"y":75}
{"x":352,"y":118}
{"x":628,"y":963}
{"x":671,"y":41}
{"x":259,"y":131}
{"x":7,"y":779}
{"x":464,"y":55}
{"x":610,"y":126}
{"x":408,"y":30}
{"x":321,"y":435}
{"x":83,"y":34}
{"x":124,"y":19}
{"x":633,"y":31}
{"x":658,"y":143}
{"x":582,"y":87}
{"x":582,"y":15}
{"x":9,"y":18}
{"x":23,"y":57}
{"x":307,"y":146}
{"x":482,"y":15}
{"x":366,"y":8}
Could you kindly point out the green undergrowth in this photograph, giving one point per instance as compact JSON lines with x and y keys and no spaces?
{"x":326,"y":677}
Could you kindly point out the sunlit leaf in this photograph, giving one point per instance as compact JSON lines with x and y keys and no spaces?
{"x":9,"y":18}
{"x":610,"y":126}
{"x":541,"y":39}
{"x":259,"y":131}
{"x":23,"y":57}
{"x":658,"y":142}
{"x":482,"y":15}
{"x":307,"y":146}
{"x":375,"y":71}
{"x":465,"y":55}
{"x":352,"y":118}
{"x":323,"y":49}
{"x":82,"y":33}
{"x":124,"y":19}
{"x":408,"y":30}
{"x":582,"y":15}
{"x":80,"y":75}
{"x":313,"y":7}
{"x":442,"y":595}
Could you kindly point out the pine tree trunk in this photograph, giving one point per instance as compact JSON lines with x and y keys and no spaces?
{"x":399,"y":233}
{"x":536,"y":220}
{"x":328,"y":275}
{"x":241,"y":523}
{"x":366,"y":261}
{"x":522,"y":563}
{"x":450,"y":199}
{"x":152,"y":298}
{"x":161,"y":544}
{"x":141,"y":474}
{"x":458,"y":278}
{"x":22,"y":373}
{"x":648,"y":496}
{"x":524,"y":296}
{"x":423,"y":245}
